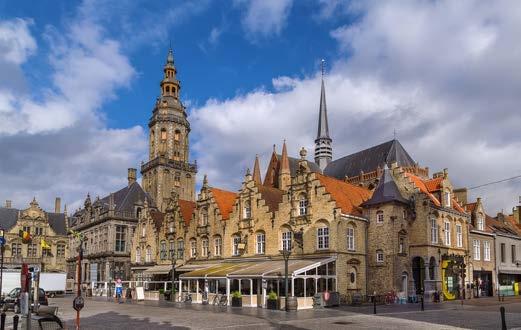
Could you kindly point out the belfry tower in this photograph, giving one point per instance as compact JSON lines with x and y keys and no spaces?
{"x":168,"y":167}
{"x":323,"y":148}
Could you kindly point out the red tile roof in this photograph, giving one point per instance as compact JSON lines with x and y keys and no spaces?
{"x":418,"y":182}
{"x":433,"y":184}
{"x":471,"y":206}
{"x":347,"y":196}
{"x":225,"y":200}
{"x":187,"y":209}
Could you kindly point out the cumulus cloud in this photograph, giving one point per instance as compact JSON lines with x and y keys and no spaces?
{"x":54,"y":141}
{"x":450,"y":89}
{"x":264,"y":18}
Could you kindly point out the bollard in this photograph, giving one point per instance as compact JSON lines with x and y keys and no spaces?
{"x":421,"y":301}
{"x":374,"y":305}
{"x":15,"y":322}
{"x":503,"y":321}
{"x":2,"y":321}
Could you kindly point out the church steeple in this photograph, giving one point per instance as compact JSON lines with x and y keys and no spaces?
{"x":323,"y":149}
{"x":170,"y":86}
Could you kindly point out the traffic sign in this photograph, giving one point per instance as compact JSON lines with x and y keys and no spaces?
{"x":2,"y":240}
{"x":78,"y":303}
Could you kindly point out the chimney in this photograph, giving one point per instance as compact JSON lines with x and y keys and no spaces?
{"x":8,"y":204}
{"x":131,"y":176}
{"x":461,"y":195}
{"x":57,"y":205}
{"x":501,"y":217}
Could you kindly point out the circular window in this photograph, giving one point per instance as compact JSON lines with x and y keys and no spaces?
{"x":353,"y":277}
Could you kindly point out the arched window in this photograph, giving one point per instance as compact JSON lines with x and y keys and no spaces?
{"x":350,"y":238}
{"x":148,"y":257}
{"x":193,"y":248}
{"x":323,"y":237}
{"x":138,"y":212}
{"x":138,"y":255}
{"x":286,"y":238}
{"x":162,"y":253}
{"x":236,"y":240}
{"x":218,"y":245}
{"x":177,"y":135}
{"x":247,"y":209}
{"x":163,"y":135}
{"x":168,"y":89}
{"x":379,"y":216}
{"x":204,"y":247}
{"x":303,"y":205}
{"x":260,"y":246}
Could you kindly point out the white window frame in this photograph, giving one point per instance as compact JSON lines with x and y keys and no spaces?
{"x":235,"y":245}
{"x":303,"y":204}
{"x":351,"y":239}
{"x":218,"y":245}
{"x":260,"y":245}
{"x":286,"y":239}
{"x":193,"y":248}
{"x":380,"y":256}
{"x":148,"y":257}
{"x":247,"y":210}
{"x":447,"y":233}
{"x":323,"y":238}
{"x":205,"y":244}
{"x":477,"y":249}
{"x":459,"y":235}
{"x":486,"y":251}
{"x":379,"y":216}
{"x":480,"y":223}
{"x":434,"y":231}
{"x":447,"y":197}
{"x":401,"y":244}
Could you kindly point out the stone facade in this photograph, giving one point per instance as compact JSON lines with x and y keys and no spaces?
{"x":48,"y":248}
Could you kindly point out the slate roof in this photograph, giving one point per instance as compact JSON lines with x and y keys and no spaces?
{"x":347,"y":196}
{"x":9,"y":216}
{"x":368,"y":160}
{"x":386,"y":191}
{"x":293,"y":165}
{"x":127,"y":197}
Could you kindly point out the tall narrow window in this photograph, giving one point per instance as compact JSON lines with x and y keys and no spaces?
{"x":303,"y":204}
{"x":236,"y":240}
{"x":459,"y":236}
{"x":401,"y":245}
{"x":323,"y":238}
{"x":148,"y":257}
{"x":434,"y":231}
{"x":286,"y":240}
{"x":379,"y":216}
{"x":120,"y":238}
{"x":180,"y":249}
{"x":218,"y":242}
{"x":177,"y":136}
{"x":477,"y":248}
{"x":204,"y":246}
{"x":162,"y":251}
{"x":31,"y":250}
{"x":138,"y":255}
{"x":480,"y":222}
{"x":16,"y":250}
{"x":503,"y":252}
{"x":350,"y":238}
{"x":193,"y":248}
{"x":447,"y":199}
{"x":163,"y":135}
{"x":447,"y":233}
{"x":247,"y":209}
{"x":261,"y":243}
{"x":171,"y":249}
{"x":486,"y":250}
{"x":177,"y":179}
{"x":513,"y":254}
{"x":60,"y":250}
{"x":204,"y":216}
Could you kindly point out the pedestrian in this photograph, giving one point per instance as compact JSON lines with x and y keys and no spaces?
{"x":119,"y":290}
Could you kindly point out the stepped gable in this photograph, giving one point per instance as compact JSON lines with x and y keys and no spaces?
{"x":271,"y":196}
{"x":186,"y":209}
{"x":347,"y":196}
{"x":429,"y":186}
{"x":369,"y":160}
{"x":386,"y":191}
{"x":158,"y":218}
{"x":225,"y":200}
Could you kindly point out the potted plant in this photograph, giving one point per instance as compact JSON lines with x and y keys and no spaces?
{"x":161,"y":294}
{"x":272,"y":300}
{"x":236,"y":299}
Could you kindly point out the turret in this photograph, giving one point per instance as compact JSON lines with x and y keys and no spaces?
{"x":284,"y":171}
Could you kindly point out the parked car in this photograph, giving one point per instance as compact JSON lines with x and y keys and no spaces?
{"x":12,"y":300}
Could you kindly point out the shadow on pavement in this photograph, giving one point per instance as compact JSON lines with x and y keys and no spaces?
{"x":111,"y":320}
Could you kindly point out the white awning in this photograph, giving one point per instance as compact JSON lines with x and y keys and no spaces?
{"x":159,"y":269}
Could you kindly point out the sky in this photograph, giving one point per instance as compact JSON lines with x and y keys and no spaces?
{"x":78,"y":80}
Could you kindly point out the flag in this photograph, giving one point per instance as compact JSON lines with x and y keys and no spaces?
{"x":44,"y":244}
{"x":25,"y":235}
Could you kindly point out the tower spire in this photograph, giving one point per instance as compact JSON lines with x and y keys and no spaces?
{"x":323,"y":149}
{"x":284,"y":172}
{"x":256,"y":171}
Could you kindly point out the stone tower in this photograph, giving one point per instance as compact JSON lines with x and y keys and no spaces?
{"x":323,"y":149}
{"x":168,"y":168}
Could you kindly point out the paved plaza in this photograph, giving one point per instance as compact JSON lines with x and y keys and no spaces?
{"x":102,"y":314}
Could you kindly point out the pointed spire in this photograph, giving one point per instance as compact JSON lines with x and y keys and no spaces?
{"x":256,"y":172}
{"x":323,"y":127}
{"x":170,"y":57}
{"x":205,"y":181}
{"x":284,"y":162}
{"x":323,"y":149}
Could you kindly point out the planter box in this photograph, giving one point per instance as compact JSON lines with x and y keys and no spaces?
{"x":236,"y":302}
{"x":272,"y":304}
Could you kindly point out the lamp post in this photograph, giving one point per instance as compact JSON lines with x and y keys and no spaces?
{"x":285,"y":254}
{"x":2,"y":249}
{"x":173,"y":255}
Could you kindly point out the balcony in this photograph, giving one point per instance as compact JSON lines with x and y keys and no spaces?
{"x":203,"y":230}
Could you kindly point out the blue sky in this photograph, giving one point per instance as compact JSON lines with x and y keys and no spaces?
{"x":79,"y":79}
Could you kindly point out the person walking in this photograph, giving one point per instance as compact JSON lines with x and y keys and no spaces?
{"x":119,"y":290}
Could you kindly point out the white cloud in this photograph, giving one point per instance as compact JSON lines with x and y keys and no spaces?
{"x":214,"y":36}
{"x":264,"y":18}
{"x":450,"y":89}
{"x":16,"y":41}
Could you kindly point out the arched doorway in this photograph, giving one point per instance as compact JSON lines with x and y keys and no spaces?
{"x":418,"y":274}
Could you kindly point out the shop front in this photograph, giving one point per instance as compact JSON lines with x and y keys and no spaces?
{"x":453,"y":276}
{"x":482,"y":286}
{"x":509,"y":283}
{"x":257,"y":280}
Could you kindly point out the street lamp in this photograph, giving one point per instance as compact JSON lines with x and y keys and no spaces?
{"x":285,"y":254}
{"x":2,"y":249}
{"x":173,"y":255}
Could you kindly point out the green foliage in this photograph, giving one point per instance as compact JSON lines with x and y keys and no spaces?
{"x":236,"y":294}
{"x":161,"y":291}
{"x":272,"y":296}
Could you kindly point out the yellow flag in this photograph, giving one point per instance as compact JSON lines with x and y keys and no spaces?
{"x":44,"y":244}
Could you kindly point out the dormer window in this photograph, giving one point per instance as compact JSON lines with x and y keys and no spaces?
{"x":480,"y":223}
{"x":247,"y":209}
{"x":446,"y":196}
